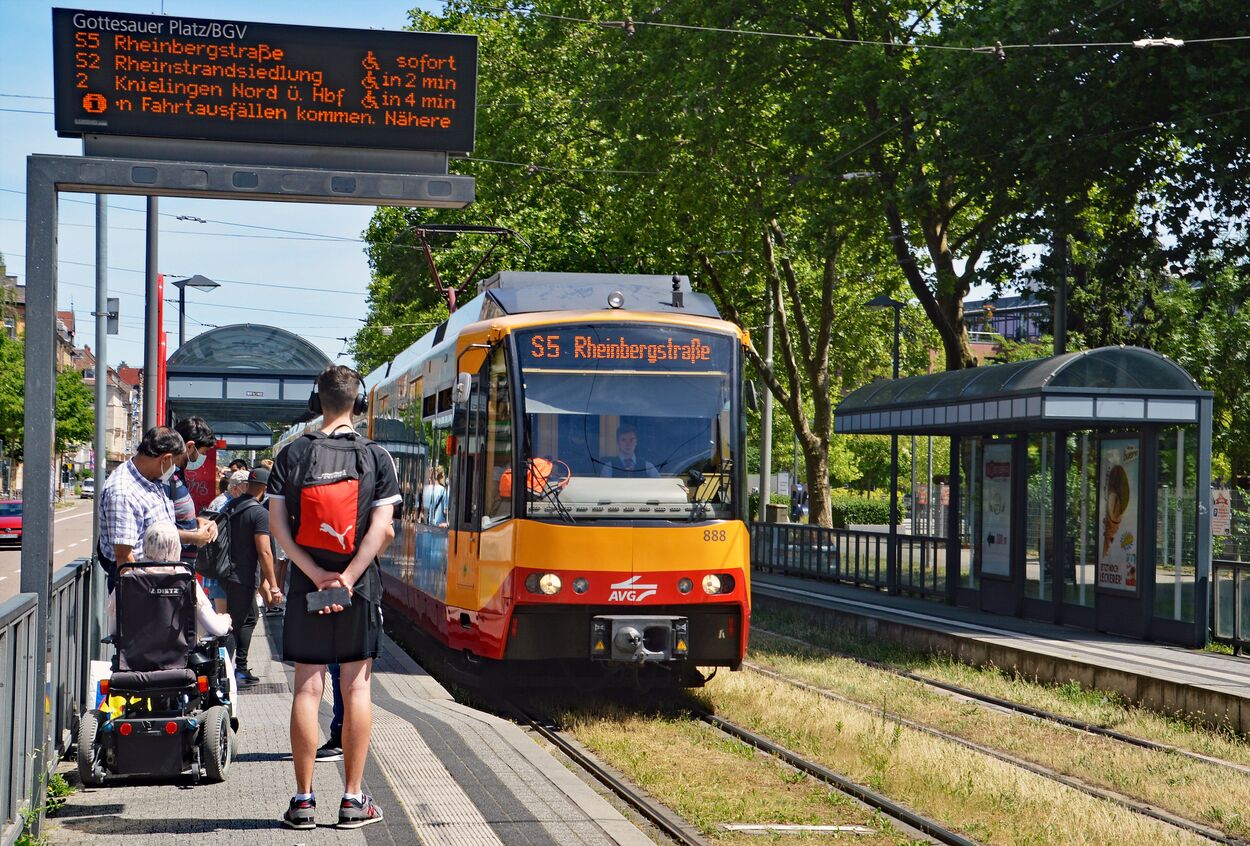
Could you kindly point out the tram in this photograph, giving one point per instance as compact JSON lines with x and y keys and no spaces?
{"x":590,"y":431}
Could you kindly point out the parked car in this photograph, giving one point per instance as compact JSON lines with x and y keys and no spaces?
{"x":11,"y":521}
{"x":88,"y":488}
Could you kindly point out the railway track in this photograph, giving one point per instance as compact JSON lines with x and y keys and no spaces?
{"x":681,"y":831}
{"x":885,"y":805}
{"x":1018,"y":707}
{"x":1143,"y":808}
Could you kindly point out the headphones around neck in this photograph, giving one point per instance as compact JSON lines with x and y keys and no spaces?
{"x":359,"y":404}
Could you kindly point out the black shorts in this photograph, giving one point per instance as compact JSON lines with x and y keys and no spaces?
{"x":353,"y":634}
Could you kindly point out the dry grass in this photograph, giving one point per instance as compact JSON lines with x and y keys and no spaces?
{"x":1203,"y":792}
{"x":710,"y":779}
{"x":1071,"y":699}
{"x":987,"y":800}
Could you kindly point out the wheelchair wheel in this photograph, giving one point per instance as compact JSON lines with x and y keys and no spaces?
{"x":216,"y":746}
{"x":90,"y":755}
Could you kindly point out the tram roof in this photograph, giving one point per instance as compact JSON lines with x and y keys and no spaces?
{"x":524,"y":292}
{"x":1108,"y":386}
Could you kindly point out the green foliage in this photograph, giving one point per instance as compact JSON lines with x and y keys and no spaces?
{"x":12,"y":391}
{"x":855,"y":509}
{"x":75,"y":410}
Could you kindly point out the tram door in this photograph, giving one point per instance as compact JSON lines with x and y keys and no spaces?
{"x":464,"y":493}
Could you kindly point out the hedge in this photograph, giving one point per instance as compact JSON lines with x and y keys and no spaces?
{"x":859,"y":510}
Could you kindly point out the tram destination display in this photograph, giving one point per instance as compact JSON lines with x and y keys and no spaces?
{"x":165,"y":76}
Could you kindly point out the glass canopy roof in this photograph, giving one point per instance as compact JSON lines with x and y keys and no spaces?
{"x":247,"y":346}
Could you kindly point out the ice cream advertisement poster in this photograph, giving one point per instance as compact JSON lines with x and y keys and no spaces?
{"x":996,"y":510}
{"x":1118,"y":495}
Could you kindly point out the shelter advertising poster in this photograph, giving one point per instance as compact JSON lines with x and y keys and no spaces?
{"x":996,"y":510}
{"x":1118,"y":494}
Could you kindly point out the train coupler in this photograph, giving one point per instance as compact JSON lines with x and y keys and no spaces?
{"x":639,"y":638}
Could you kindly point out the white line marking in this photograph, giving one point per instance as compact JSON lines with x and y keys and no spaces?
{"x":58,"y":551}
{"x":74,"y":544}
{"x":2,"y":578}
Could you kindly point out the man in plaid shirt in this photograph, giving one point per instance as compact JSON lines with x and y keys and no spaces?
{"x":133,"y":498}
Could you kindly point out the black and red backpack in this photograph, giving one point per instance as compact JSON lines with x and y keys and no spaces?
{"x":335,"y":480}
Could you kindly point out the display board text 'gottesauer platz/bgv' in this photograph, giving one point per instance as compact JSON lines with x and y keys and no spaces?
{"x":190,"y":78}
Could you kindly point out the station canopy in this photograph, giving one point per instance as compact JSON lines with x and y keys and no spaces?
{"x":244,"y":376}
{"x":1100,"y":388}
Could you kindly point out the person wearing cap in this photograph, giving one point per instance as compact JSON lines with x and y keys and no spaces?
{"x":250,"y":551}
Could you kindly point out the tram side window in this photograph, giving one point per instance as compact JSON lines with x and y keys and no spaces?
{"x":498,"y":439}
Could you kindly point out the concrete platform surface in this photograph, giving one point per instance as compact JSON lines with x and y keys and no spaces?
{"x":443,"y":774}
{"x":1207,"y":685}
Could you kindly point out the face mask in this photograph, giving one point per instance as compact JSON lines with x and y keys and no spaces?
{"x":165,"y":474}
{"x":198,"y":462}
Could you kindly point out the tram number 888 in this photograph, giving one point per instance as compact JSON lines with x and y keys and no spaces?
{"x":714,"y":536}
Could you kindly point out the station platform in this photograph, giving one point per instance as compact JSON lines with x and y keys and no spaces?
{"x":443,"y":774}
{"x":1210,"y":687}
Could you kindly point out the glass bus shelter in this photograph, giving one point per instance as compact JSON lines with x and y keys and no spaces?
{"x":1080,"y":486}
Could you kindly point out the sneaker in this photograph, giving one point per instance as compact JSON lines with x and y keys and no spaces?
{"x":353,"y":814}
{"x":245,"y":677}
{"x":302,"y":814}
{"x":331,"y":751}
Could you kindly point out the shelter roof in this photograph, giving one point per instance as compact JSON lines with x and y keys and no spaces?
{"x":1109,"y":386}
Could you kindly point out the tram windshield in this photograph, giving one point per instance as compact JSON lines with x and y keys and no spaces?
{"x":628,"y":422}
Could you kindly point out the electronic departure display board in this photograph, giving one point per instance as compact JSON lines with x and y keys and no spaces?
{"x":625,"y":347}
{"x":165,"y":76}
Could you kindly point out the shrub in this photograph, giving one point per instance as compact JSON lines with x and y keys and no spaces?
{"x":853,"y":509}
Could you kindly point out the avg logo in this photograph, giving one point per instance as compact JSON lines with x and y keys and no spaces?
{"x":631,"y":590}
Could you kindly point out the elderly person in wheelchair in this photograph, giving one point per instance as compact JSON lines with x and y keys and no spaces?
{"x":169,"y":707}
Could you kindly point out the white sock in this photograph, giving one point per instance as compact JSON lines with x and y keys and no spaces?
{"x":305,"y":797}
{"x":357,"y":797}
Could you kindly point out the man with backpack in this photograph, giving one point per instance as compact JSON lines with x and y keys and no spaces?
{"x":332,"y":496}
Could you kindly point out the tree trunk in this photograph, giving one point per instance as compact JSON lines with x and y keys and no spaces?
{"x":819,"y":502}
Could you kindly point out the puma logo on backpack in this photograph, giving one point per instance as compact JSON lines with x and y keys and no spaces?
{"x":328,"y":529}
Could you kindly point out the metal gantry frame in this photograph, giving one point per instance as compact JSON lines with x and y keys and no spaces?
{"x":46,"y":178}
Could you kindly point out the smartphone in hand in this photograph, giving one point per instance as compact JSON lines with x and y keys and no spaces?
{"x":319,"y":600}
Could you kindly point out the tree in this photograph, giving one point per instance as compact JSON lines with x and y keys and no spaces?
{"x":12,"y":391}
{"x":75,"y":411}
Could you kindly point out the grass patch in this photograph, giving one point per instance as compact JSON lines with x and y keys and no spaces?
{"x":1070,"y":699}
{"x":1218,"y":648}
{"x":1186,"y":787}
{"x":710,"y":779}
{"x":986,"y":799}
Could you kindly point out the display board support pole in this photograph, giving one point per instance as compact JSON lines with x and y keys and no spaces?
{"x":152,"y":324}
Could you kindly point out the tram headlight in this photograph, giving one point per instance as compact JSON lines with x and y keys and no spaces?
{"x":580,"y":585}
{"x":544,"y":583}
{"x":715,"y":583}
{"x":684,"y":585}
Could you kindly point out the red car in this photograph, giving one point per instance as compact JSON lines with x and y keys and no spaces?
{"x":11,"y":521}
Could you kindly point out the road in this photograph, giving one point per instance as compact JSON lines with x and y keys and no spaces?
{"x":71,"y":539}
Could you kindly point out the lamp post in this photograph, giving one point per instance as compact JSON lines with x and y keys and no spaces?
{"x":891,"y":567}
{"x":196,"y":281}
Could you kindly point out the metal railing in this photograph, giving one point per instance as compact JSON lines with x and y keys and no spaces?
{"x":73,"y":620}
{"x":1230,"y":603}
{"x":18,"y":618}
{"x":852,"y":556}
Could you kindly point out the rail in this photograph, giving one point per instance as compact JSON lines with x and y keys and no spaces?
{"x":1230,"y":603}
{"x":852,"y":556}
{"x":72,"y":618}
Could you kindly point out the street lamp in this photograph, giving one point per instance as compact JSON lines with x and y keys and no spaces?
{"x":204,"y":284}
{"x":891,"y":567}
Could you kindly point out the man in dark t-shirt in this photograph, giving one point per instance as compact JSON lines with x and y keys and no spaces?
{"x":347,"y":635}
{"x":250,"y":551}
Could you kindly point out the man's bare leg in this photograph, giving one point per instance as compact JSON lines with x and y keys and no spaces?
{"x":354,"y":683}
{"x":309,"y":688}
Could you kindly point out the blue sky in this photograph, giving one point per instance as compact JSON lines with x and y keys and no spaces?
{"x":240,"y":249}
